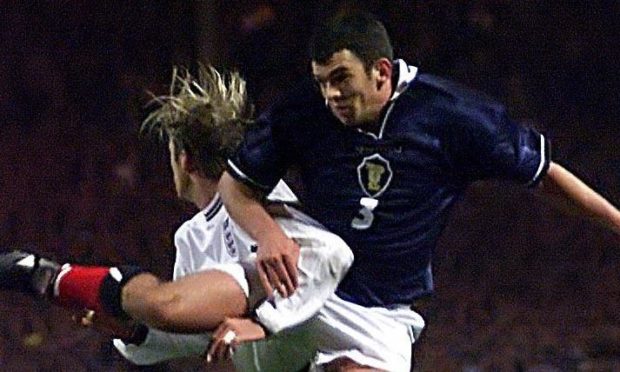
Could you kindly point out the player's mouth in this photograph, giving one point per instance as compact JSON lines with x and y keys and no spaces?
{"x":343,"y":112}
{"x":341,"y":106}
{"x":340,"y":109}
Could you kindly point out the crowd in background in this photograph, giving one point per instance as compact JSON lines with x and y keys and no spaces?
{"x":520,"y":286}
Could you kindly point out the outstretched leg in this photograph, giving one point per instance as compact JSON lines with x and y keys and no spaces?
{"x":195,"y":303}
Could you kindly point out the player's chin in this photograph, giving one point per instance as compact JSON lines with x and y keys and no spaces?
{"x":351,"y":123}
{"x":347,"y":120}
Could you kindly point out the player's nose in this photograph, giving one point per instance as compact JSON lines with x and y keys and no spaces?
{"x":331,"y":91}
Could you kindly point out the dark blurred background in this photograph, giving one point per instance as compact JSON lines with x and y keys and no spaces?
{"x":520,"y":287}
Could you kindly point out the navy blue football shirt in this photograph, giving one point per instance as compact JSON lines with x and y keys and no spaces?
{"x":388,"y":194}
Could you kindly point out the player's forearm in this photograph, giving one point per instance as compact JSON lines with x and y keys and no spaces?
{"x":579,"y":198}
{"x":245,"y":207}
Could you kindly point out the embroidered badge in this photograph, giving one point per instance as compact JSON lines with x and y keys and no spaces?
{"x":229,"y":240}
{"x":374,"y":175}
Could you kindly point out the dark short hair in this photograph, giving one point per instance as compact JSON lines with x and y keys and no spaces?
{"x":360,"y":32}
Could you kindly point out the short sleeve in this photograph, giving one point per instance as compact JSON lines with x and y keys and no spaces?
{"x":485,"y":143}
{"x":258,"y":162}
{"x":278,"y":139}
{"x":182,"y":258}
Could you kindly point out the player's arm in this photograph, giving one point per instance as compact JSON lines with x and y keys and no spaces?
{"x":504,"y":149}
{"x":277,"y":254}
{"x":573,"y":195}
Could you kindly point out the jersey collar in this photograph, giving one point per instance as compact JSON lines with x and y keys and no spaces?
{"x":406,"y":74}
{"x":214,"y":206}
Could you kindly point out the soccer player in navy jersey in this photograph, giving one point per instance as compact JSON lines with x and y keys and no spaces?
{"x":384,"y":152}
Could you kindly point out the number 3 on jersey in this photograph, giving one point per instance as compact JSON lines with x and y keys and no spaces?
{"x":374,"y":175}
{"x":365,"y":216}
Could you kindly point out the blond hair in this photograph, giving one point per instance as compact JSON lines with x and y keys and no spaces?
{"x":205,"y":116}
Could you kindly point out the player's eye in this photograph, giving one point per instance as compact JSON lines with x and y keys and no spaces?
{"x":339,"y":79}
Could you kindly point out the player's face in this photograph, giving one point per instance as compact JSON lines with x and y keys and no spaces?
{"x":181,"y":176}
{"x":352,"y":93}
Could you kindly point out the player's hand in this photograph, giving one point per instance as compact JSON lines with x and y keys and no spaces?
{"x":276,"y":261}
{"x":230,"y":334}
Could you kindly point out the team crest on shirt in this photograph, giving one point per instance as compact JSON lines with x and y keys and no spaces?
{"x":374,"y":175}
{"x":229,"y":241}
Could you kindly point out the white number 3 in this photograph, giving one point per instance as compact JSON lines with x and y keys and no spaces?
{"x":365,"y":217}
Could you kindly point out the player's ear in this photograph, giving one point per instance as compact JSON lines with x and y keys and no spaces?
{"x":186,"y":161}
{"x":382,"y":71}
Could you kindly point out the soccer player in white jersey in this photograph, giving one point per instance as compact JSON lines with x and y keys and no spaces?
{"x":214,"y":278}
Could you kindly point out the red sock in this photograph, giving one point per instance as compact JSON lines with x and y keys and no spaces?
{"x":78,"y":287}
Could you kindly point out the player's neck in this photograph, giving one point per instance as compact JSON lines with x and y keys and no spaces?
{"x":381,"y":105}
{"x":203,"y":190}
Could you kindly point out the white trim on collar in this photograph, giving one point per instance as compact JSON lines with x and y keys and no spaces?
{"x":213,"y":208}
{"x":212,"y":204}
{"x":406,"y":74}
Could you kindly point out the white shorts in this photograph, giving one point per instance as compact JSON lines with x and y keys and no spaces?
{"x":373,"y":336}
{"x":377,"y":337}
{"x":324,"y":259}
{"x":237,"y":271}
